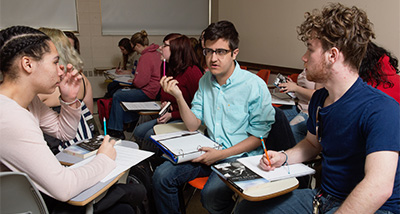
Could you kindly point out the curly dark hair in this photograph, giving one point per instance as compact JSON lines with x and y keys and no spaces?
{"x":347,"y":29}
{"x":182,"y":54}
{"x":16,"y":41}
{"x":371,"y":66}
{"x":223,"y":30}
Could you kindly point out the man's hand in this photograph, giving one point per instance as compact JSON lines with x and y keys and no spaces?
{"x":70,"y":84}
{"x":276,"y":158}
{"x":209,"y":157}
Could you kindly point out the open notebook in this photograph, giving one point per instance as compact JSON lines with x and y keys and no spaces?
{"x":183,"y":146}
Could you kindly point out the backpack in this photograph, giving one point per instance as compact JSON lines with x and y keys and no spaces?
{"x":104,"y":108}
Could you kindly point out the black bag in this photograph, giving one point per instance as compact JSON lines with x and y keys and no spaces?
{"x":142,"y":173}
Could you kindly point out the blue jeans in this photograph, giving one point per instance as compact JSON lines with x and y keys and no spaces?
{"x":290,"y":111}
{"x":299,"y":126}
{"x":297,"y":201}
{"x":142,"y":134}
{"x":216,"y":196}
{"x":117,"y":115}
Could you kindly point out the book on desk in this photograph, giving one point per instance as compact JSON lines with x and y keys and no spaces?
{"x":183,"y":146}
{"x":86,"y":148}
{"x":245,"y":173}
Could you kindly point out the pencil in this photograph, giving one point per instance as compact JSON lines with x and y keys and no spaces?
{"x":105,"y":126}
{"x":164,"y":68}
{"x":265,"y":150}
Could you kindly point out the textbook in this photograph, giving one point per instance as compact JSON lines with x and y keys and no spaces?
{"x":124,"y":79}
{"x":141,"y":106}
{"x":183,"y":146}
{"x":238,"y":175}
{"x":280,"y":173}
{"x":87,"y":147}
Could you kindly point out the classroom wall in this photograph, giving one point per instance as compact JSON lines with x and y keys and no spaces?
{"x":267,"y":28}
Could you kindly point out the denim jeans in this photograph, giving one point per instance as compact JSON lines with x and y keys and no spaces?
{"x":297,"y":201}
{"x":142,"y":135}
{"x":117,"y":115}
{"x":290,"y":111}
{"x":216,"y":196}
{"x":299,"y":126}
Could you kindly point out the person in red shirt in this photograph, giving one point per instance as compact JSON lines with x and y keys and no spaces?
{"x":146,"y":84}
{"x":379,"y":69}
{"x":182,"y":64}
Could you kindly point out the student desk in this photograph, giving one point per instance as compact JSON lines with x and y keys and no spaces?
{"x":90,"y":194}
{"x":265,"y":191}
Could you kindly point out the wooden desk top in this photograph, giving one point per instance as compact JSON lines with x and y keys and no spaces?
{"x":267,"y":190}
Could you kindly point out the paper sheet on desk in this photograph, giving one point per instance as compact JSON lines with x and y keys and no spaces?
{"x":280,"y":173}
{"x":126,"y":158}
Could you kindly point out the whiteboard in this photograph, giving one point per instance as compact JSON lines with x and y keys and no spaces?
{"x":157,"y":17}
{"x":60,"y":14}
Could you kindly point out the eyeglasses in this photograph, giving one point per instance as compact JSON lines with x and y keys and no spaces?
{"x":220,"y":52}
{"x":164,"y":45}
{"x":318,"y":130}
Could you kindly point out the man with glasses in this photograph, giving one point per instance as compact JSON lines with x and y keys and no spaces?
{"x":353,"y":126}
{"x":234,"y":104}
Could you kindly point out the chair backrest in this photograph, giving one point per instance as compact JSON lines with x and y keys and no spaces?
{"x":264,"y":74}
{"x":19,"y":194}
{"x":280,"y":136}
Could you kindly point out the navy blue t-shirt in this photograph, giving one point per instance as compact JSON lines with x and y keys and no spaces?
{"x":364,"y":120}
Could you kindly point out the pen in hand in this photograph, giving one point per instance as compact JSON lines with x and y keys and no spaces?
{"x":265,"y":150}
{"x":105,"y":126}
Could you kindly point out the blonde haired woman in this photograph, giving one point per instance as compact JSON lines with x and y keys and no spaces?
{"x":68,"y":55}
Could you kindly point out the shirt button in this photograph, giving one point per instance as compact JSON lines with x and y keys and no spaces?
{"x":217,"y":124}
{"x":218,"y":108}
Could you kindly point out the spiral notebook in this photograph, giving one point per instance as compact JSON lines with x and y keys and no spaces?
{"x":183,"y":146}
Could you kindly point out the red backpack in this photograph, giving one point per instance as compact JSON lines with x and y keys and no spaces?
{"x":104,"y":108}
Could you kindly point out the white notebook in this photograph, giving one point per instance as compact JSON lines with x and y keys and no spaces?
{"x":283,"y":172}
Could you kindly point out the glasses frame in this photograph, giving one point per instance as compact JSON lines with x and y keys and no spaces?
{"x":165,"y":45}
{"x":216,"y":52}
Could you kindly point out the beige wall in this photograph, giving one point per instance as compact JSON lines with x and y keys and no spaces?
{"x":267,"y":28}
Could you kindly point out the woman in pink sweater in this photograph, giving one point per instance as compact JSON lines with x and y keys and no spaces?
{"x":29,"y":64}
{"x":146,"y":84}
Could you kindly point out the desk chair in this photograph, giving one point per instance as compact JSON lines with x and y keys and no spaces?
{"x":197,"y":183}
{"x":144,"y":116}
{"x":19,"y":194}
{"x":264,"y":74}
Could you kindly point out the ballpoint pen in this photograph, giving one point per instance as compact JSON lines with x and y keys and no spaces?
{"x":265,"y":150}
{"x":105,"y":126}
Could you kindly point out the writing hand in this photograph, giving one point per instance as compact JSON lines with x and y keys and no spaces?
{"x":209,"y":157}
{"x":275,"y":158}
{"x":107,"y":147}
{"x":70,"y":83}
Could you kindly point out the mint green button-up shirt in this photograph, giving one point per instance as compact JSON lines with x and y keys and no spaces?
{"x":234,"y":111}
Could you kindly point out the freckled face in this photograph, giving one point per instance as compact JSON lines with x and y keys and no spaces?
{"x":48,"y":71}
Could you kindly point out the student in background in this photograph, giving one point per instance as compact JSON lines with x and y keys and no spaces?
{"x":29,"y":63}
{"x":234,"y":104}
{"x":354,"y":126}
{"x":68,"y":55}
{"x":303,"y":89}
{"x":127,"y":67}
{"x":128,"y":57}
{"x":146,"y":84}
{"x":379,"y":69}
{"x":74,"y":41}
{"x":182,"y":65}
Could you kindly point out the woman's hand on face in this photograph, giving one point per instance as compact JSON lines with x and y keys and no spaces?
{"x":70,"y":83}
{"x":170,"y":86}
